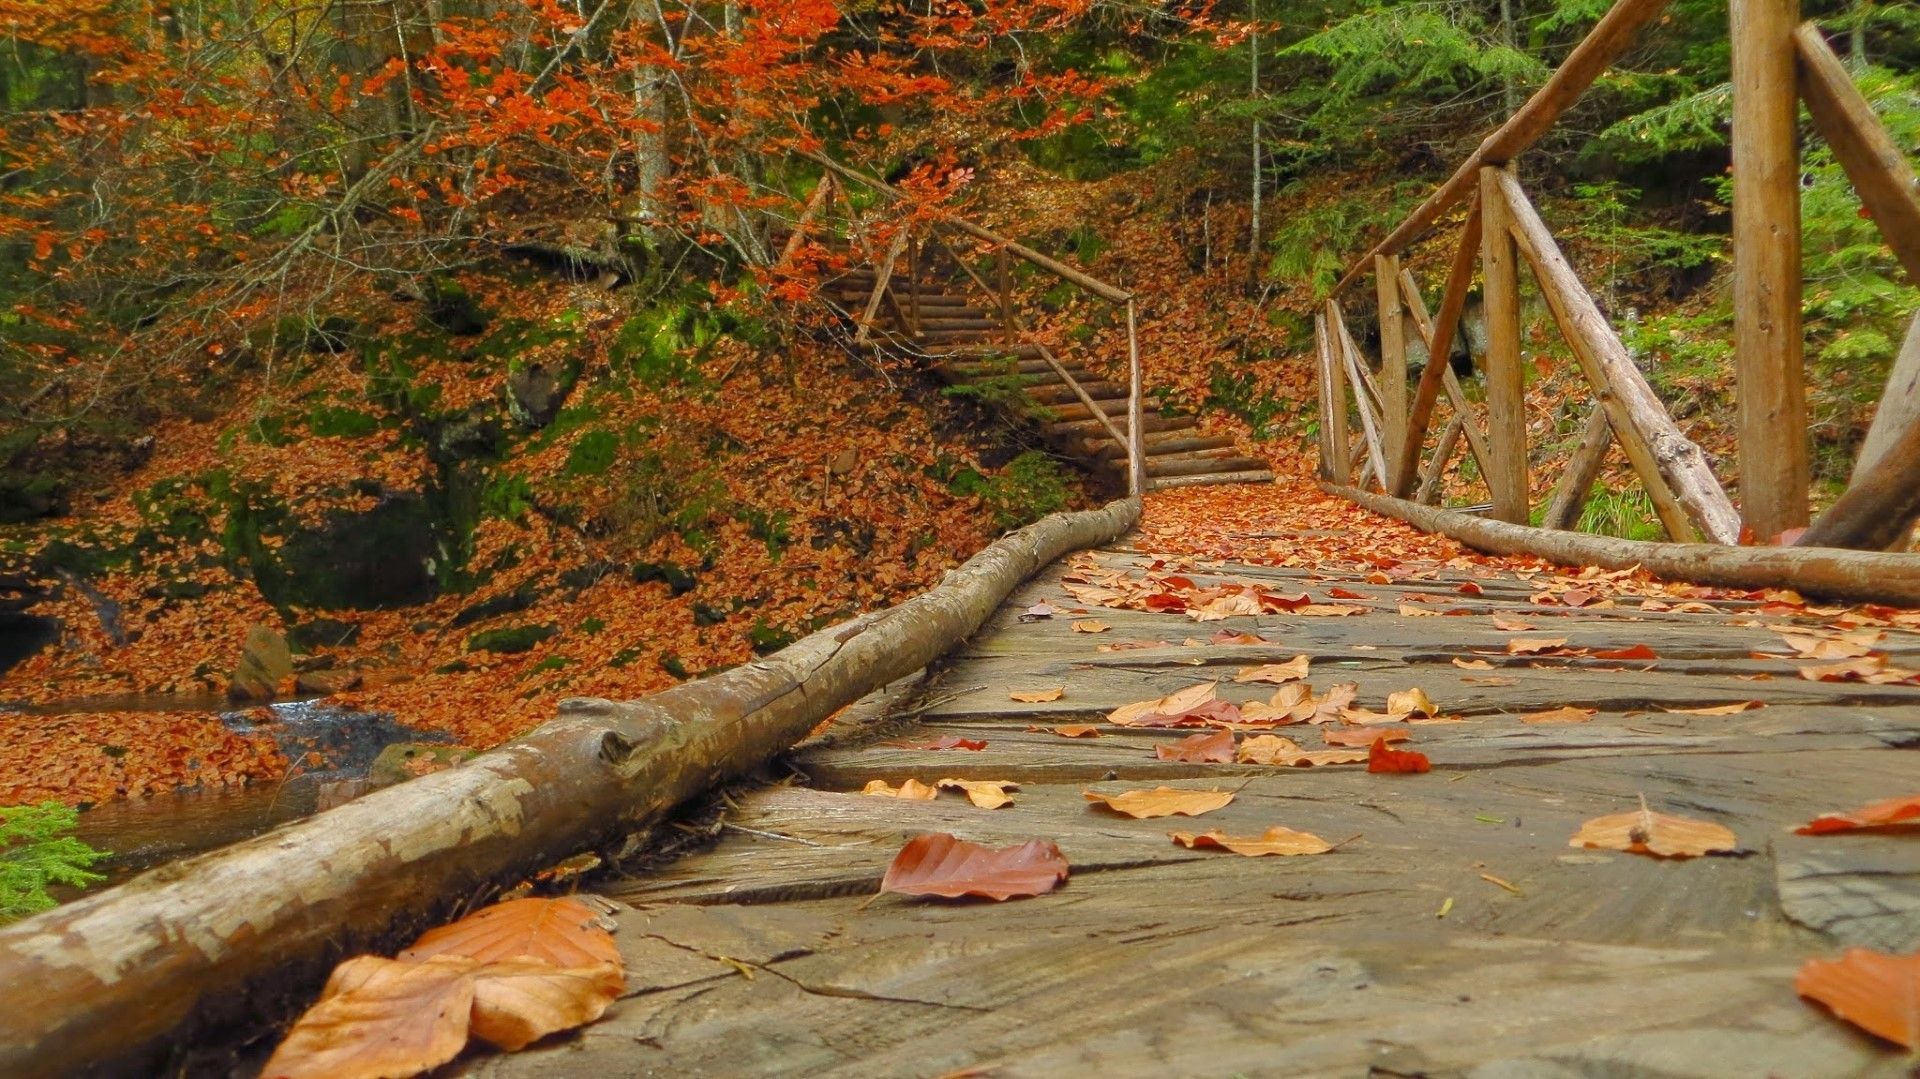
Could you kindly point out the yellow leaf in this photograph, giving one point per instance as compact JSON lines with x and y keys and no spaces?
{"x":1646,"y":832}
{"x":912,"y":790}
{"x":1037,"y":696}
{"x":1275,"y":840}
{"x":1172,"y":703}
{"x":1291,"y":671}
{"x":1409,"y":701}
{"x":1090,"y":625}
{"x":984,"y":793}
{"x":1161,"y":802}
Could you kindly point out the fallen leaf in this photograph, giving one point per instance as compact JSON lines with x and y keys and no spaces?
{"x":1072,"y":730}
{"x":1472,"y":664}
{"x":1887,"y":813}
{"x":1717,"y":710}
{"x":1291,"y":671}
{"x":944,"y":865}
{"x":1227,"y":636}
{"x":1268,"y":749}
{"x":1161,"y":802}
{"x":1578,"y":597}
{"x":1492,"y":680}
{"x":985,"y":793}
{"x":1530,"y":646}
{"x":1177,"y":703}
{"x":1643,"y":831}
{"x":1564,"y":714}
{"x":564,"y":933}
{"x":1409,"y":701}
{"x":1042,"y":609}
{"x":1126,"y":646}
{"x":1638,"y":651}
{"x":1037,"y":696}
{"x":1408,"y":610}
{"x":1471,"y":588}
{"x":1090,"y":625}
{"x":1361,"y":736}
{"x":1361,"y":717}
{"x":1382,"y":759}
{"x":945,"y":741}
{"x":912,"y":790}
{"x":516,"y":1003}
{"x":381,"y":1017}
{"x":1877,"y":992}
{"x":1511,"y":625}
{"x":1275,"y":840}
{"x":1215,"y":748}
{"x":1346,"y":593}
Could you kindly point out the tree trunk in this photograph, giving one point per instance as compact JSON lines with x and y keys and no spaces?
{"x":101,"y":981}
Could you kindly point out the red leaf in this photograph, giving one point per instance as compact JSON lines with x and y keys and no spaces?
{"x":1215,"y":748}
{"x":1887,"y":813}
{"x":1165,"y":601}
{"x":1471,"y":588}
{"x":1382,"y":759}
{"x":941,"y":864}
{"x":945,"y":741}
{"x":1638,"y":651}
{"x":1346,"y":593}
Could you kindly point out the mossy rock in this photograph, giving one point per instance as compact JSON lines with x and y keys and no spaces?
{"x":402,"y":761}
{"x":450,"y":307}
{"x":678,"y":580}
{"x":506,"y":603}
{"x":510,"y":639}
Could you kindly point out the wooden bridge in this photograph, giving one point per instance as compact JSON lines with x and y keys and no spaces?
{"x":1452,"y":925}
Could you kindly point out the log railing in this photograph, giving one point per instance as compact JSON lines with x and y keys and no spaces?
{"x":1776,"y":64}
{"x":910,"y":242}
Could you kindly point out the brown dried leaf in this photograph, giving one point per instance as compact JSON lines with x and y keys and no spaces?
{"x":1215,"y":748}
{"x":1268,"y":749}
{"x":1532,"y":646}
{"x":563,"y":933}
{"x":912,"y":790}
{"x":1071,"y":730}
{"x":1037,"y":696}
{"x":1362,"y":737}
{"x":1410,"y":701}
{"x":518,"y":1002}
{"x":1275,"y":840}
{"x":1511,"y":625}
{"x":945,"y":865}
{"x":1472,"y":664}
{"x":984,"y":793}
{"x":1718,"y":709}
{"x":1563,"y":714}
{"x":1090,"y":625}
{"x":1278,"y":673}
{"x":378,"y":1018}
{"x":1160,"y":802}
{"x":1177,"y":703}
{"x":1643,"y":831}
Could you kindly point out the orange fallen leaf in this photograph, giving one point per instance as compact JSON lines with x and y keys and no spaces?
{"x":1876,"y":992}
{"x":1291,"y":671}
{"x":1090,"y":625}
{"x":1275,"y":840}
{"x":1037,"y":696}
{"x":1215,"y":748}
{"x":1346,"y":593}
{"x":1643,"y":831}
{"x":1160,"y":802}
{"x":380,"y":1017}
{"x":1382,"y":759}
{"x":1564,"y":714}
{"x":1530,"y":646}
{"x":1718,"y":709}
{"x":1511,"y":625}
{"x":1268,"y":749}
{"x":1578,"y":597}
{"x":1471,"y":588}
{"x":563,"y":932}
{"x":912,"y":790}
{"x":1887,"y":813}
{"x":1072,"y":730}
{"x":944,"y":865}
{"x":1492,"y":680}
{"x":1472,"y":664}
{"x":984,"y":793}
{"x":1409,"y":610}
{"x":1362,"y":737}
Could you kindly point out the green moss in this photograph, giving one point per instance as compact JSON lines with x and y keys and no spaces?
{"x":338,"y":421}
{"x":509,"y":639}
{"x":593,"y":454}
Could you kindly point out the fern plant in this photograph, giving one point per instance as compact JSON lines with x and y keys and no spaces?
{"x":35,"y":851}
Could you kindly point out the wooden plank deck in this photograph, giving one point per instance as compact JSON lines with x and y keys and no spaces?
{"x":1393,"y":955}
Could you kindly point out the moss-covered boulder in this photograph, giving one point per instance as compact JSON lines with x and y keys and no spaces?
{"x":509,"y":639}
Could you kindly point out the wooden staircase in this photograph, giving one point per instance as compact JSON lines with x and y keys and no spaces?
{"x":927,"y":314}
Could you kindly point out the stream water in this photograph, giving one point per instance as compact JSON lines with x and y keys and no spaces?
{"x":142,"y":833}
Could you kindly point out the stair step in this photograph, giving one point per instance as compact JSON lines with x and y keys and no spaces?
{"x":1212,"y":479}
{"x":1090,"y":428}
{"x":1056,"y":392}
{"x":1046,"y":379}
{"x":1160,"y":443}
{"x":1067,"y":413}
{"x":1202,"y":466}
{"x":945,"y":321}
{"x":970,"y":353}
{"x":1035,"y":366}
{"x":954,"y":337}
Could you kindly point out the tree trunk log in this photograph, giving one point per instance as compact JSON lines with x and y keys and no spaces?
{"x":1860,"y":576}
{"x":101,"y":981}
{"x":1879,"y":506}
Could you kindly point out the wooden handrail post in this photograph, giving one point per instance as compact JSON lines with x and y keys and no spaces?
{"x":1437,"y":466}
{"x":1393,"y":359}
{"x":1136,"y":453}
{"x":1333,"y":413}
{"x":1861,"y":144}
{"x":1005,"y":282}
{"x":1506,"y":382}
{"x":1570,"y":497}
{"x":1767,"y":337}
{"x":1439,"y":338}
